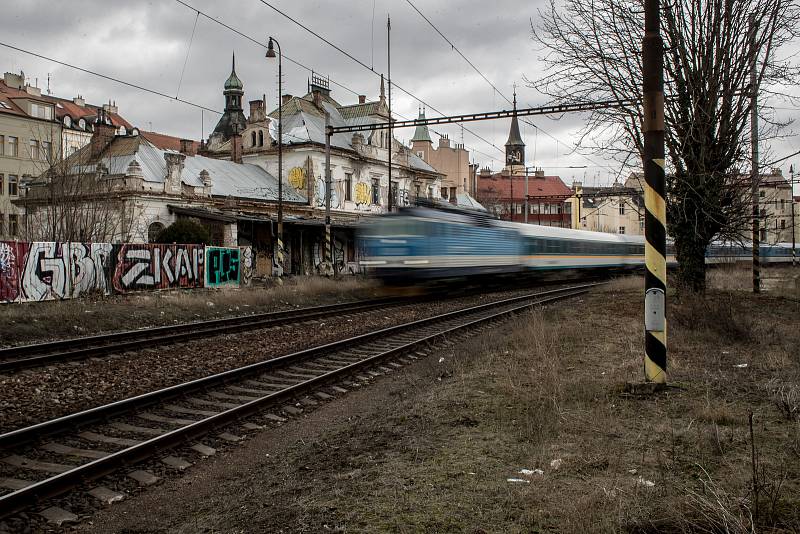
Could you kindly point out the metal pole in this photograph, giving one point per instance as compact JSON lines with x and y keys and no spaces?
{"x":655,"y":359}
{"x":389,"y":72}
{"x":328,"y":244}
{"x":526,"y":195}
{"x":791,"y":201}
{"x":271,"y":54}
{"x":754,"y":155}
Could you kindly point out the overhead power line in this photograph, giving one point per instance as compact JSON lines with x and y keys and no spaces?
{"x":492,"y":85}
{"x":372,"y":70}
{"x":110,"y":78}
{"x":310,"y":69}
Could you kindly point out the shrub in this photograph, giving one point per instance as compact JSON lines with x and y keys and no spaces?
{"x":185,"y":231}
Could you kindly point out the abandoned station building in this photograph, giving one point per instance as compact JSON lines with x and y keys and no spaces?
{"x":140,"y":182}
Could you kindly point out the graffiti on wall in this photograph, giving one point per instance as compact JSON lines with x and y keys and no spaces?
{"x":89,"y":266}
{"x":338,"y":254}
{"x":222,"y":266}
{"x":246,"y":265}
{"x":39,"y":271}
{"x":297,"y":178}
{"x":158,"y":267}
{"x":9,"y":273}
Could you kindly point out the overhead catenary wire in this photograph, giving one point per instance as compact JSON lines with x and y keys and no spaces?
{"x":493,"y":86}
{"x":310,"y":69}
{"x":361,"y":63}
{"x":110,"y":78}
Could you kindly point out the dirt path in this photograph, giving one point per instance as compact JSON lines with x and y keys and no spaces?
{"x":527,"y":429}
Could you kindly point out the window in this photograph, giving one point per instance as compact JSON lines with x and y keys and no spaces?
{"x":348,"y":186}
{"x":47,"y":151}
{"x":622,"y":209}
{"x":641,"y":225}
{"x":2,"y":144}
{"x":376,"y":191}
{"x":2,"y":185}
{"x":2,"y":222}
{"x":453,"y":197}
{"x":763,"y":235}
{"x":421,"y":154}
{"x":261,"y":138}
{"x":621,"y":229}
{"x":253,"y":138}
{"x":13,"y":185}
{"x":783,"y":224}
{"x":763,"y":213}
{"x":519,"y":209}
{"x":13,"y":146}
{"x":34,"y":149}
{"x":153,"y":230}
{"x":13,"y":224}
{"x":568,"y":207}
{"x":41,"y":111}
{"x":444,"y":193}
{"x":783,"y":204}
{"x":416,"y":191}
{"x":4,"y":105}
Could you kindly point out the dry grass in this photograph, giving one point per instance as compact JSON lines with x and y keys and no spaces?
{"x":542,"y":392}
{"x":784,"y":280}
{"x":41,"y":321}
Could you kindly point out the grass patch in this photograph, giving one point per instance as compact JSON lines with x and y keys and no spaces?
{"x":41,"y":321}
{"x":542,"y":393}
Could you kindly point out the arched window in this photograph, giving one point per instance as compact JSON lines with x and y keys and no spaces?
{"x":253,"y":138}
{"x":261,"y":138}
{"x":153,"y":230}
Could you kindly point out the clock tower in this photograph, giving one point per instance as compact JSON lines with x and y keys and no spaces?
{"x":515,"y":148}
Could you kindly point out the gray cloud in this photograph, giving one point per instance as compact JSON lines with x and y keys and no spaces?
{"x":145,"y":42}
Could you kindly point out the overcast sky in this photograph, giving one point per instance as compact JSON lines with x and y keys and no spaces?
{"x":146,"y":43}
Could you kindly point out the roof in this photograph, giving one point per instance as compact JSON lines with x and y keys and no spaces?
{"x":241,"y":180}
{"x":465,"y":200}
{"x":304,"y":122}
{"x":421,"y":131}
{"x":7,"y":104}
{"x":233,"y":82}
{"x":499,"y":186}
{"x":166,"y":142}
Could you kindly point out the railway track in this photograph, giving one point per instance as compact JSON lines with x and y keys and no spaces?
{"x":53,"y":457}
{"x":28,"y":356}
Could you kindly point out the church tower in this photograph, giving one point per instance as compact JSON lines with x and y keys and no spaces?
{"x":421,"y":142}
{"x":515,"y":148}
{"x":233,"y":120}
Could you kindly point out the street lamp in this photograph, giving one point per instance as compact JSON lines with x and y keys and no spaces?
{"x":271,"y":54}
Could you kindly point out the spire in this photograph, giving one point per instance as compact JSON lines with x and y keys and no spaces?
{"x":515,"y":147}
{"x":233,"y":81}
{"x":421,"y":132}
{"x":233,"y":64}
{"x":383,"y":91}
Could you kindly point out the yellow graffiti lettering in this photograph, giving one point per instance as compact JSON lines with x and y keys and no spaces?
{"x":297,"y":178}
{"x":362,"y":193}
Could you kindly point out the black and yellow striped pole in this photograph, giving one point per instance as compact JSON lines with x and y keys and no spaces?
{"x":655,"y":228}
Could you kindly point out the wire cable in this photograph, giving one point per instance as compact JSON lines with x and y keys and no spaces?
{"x":110,"y":78}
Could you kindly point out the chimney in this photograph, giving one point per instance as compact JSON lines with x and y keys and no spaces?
{"x":285,"y":99}
{"x":444,"y":141}
{"x":317,"y":96}
{"x":79,"y":101}
{"x":188,"y":147}
{"x":362,"y":99}
{"x":205,"y":178}
{"x":236,"y":147}
{"x":172,"y":180}
{"x":110,"y":108}
{"x":102,"y":136}
{"x":15,"y":81}
{"x":257,"y":111}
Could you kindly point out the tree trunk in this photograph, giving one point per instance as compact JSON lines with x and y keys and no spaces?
{"x":690,"y":250}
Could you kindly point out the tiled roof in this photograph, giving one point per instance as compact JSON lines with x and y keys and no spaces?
{"x":166,"y":142}
{"x":7,"y":105}
{"x":499,"y":186}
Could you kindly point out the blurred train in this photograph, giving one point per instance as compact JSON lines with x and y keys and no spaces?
{"x":427,"y":243}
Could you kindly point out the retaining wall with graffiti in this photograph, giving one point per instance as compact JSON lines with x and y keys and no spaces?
{"x":49,"y":271}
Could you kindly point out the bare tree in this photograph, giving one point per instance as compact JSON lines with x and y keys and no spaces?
{"x":74,"y":198}
{"x":593,"y":52}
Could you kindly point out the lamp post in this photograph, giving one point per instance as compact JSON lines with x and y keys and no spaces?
{"x":271,"y":54}
{"x":791,"y":202}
